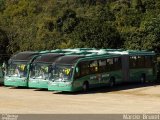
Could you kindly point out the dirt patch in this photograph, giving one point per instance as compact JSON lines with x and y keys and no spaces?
{"x":135,"y":100}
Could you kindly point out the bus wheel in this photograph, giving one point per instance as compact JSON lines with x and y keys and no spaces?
{"x":112,"y":82}
{"x":85,"y":86}
{"x":143,"y":78}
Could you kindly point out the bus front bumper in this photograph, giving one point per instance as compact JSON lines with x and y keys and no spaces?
{"x":60,"y":86}
{"x":15,"y":82}
{"x":38,"y":84}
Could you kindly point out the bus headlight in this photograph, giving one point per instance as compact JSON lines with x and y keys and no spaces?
{"x":52,"y":83}
{"x":68,"y":83}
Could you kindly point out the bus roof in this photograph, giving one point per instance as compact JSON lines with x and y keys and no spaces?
{"x":112,"y":49}
{"x":71,"y":59}
{"x":133,"y":52}
{"x":48,"y":58}
{"x":23,"y":56}
{"x":140,"y":52}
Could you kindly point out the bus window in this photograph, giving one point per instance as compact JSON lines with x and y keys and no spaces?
{"x":117,"y":63}
{"x":84,"y":68}
{"x":102,"y":66}
{"x":132,"y":61}
{"x":140,"y":62}
{"x":93,"y":67}
{"x":148,"y":61}
{"x":110,"y":65}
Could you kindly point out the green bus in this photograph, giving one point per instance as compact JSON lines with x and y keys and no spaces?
{"x":138,"y":65}
{"x":41,"y":68}
{"x":18,"y":67}
{"x":78,"y":72}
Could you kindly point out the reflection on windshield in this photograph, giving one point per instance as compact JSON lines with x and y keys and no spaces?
{"x":62,"y":73}
{"x":40,"y":71}
{"x":17,"y":70}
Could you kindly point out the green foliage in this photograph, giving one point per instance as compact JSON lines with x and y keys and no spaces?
{"x":51,"y":24}
{"x":93,"y":33}
{"x":138,"y":5}
{"x":134,"y":40}
{"x":152,"y":29}
{"x":149,"y":4}
{"x":2,"y":5}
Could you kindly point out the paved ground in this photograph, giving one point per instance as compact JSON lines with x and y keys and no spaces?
{"x":121,"y":99}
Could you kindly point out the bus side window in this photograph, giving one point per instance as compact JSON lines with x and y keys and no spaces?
{"x":132,"y":61}
{"x":84,"y":69}
{"x":117,"y":63}
{"x":148,"y":61}
{"x":110,"y":65}
{"x":140,"y":62}
{"x":102,"y":66}
{"x":94,"y":67}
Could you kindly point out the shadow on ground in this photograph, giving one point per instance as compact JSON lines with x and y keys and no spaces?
{"x":125,"y":86}
{"x":19,"y":87}
{"x":43,"y":89}
{"x":34,"y":89}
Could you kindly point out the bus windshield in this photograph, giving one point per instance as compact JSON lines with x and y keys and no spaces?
{"x":17,"y":69}
{"x":40,"y":71}
{"x":62,"y":73}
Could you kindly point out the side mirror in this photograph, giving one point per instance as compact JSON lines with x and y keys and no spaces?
{"x":77,"y":69}
{"x":28,"y":66}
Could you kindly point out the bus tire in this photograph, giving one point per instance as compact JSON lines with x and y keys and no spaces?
{"x":143,"y":78}
{"x":112,"y":82}
{"x":85,"y":86}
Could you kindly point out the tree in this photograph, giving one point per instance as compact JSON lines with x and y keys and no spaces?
{"x":4,"y":42}
{"x":2,"y":5}
{"x":138,"y":5}
{"x":152,"y":29}
{"x":149,"y":4}
{"x":91,"y":33}
{"x":134,"y":40}
{"x":68,"y":21}
{"x":51,"y":24}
